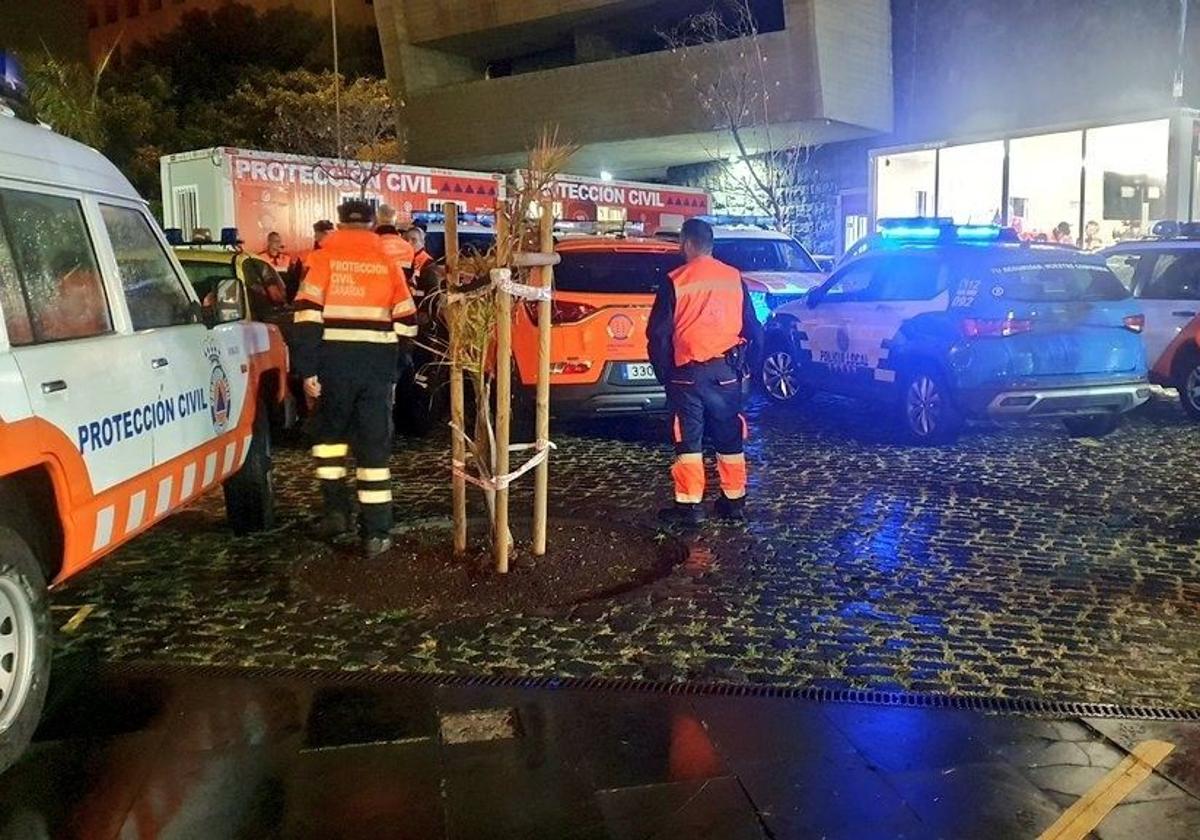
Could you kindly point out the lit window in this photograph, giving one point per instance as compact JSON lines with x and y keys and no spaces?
{"x":1043,"y":186}
{"x":906,"y":182}
{"x":1126,"y":179}
{"x":970,"y":181}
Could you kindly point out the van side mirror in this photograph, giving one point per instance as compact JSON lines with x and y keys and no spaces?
{"x":226,"y":303}
{"x":814,"y":297}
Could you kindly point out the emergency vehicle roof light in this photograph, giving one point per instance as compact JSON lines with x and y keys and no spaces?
{"x":431,"y":217}
{"x":745,"y":221}
{"x":942,"y":229}
{"x":12,"y":82}
{"x":1171,"y":229}
{"x":174,"y":236}
{"x":229,"y":237}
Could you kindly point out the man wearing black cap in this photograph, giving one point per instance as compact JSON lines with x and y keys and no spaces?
{"x":352,"y":311}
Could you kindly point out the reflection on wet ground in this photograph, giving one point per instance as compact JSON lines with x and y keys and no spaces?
{"x":183,"y":754}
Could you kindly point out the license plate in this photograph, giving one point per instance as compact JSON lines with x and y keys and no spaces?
{"x":639,"y":372}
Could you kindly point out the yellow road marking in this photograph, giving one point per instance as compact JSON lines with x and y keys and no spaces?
{"x":80,"y":616}
{"x":1090,"y":810}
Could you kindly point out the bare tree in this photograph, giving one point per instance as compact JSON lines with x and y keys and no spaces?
{"x":725,"y":62}
{"x":366,"y":140}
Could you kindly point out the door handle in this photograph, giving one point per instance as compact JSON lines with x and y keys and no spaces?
{"x":1184,"y":313}
{"x":53,"y":386}
{"x":159,"y":363}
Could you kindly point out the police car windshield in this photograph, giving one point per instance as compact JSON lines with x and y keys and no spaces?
{"x":618,"y":272}
{"x":763,"y":255}
{"x":1056,"y":277}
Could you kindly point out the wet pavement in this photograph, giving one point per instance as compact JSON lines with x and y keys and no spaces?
{"x":209,"y":753}
{"x":1016,"y":563}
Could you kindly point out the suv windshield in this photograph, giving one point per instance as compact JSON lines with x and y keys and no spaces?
{"x":763,"y":255}
{"x":204,"y":276}
{"x":1057,"y":280}
{"x":618,"y":272}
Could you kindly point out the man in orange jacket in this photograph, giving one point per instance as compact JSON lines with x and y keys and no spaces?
{"x":702,"y":330}
{"x":352,"y":312}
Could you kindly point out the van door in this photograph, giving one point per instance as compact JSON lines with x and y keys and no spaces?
{"x":1169,"y":296}
{"x":188,"y":363}
{"x":88,"y":382}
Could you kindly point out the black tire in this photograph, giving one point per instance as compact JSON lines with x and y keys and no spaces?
{"x":928,"y":414}
{"x":25,"y":644}
{"x":250,"y":492}
{"x":1092,"y":426}
{"x":779,"y":373}
{"x":1187,"y":381}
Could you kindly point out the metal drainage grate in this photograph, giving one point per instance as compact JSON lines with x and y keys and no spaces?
{"x":1032,"y":707}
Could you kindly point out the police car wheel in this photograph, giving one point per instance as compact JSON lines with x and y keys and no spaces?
{"x":250,"y":493}
{"x":928,"y":413}
{"x":25,"y":640}
{"x":1094,"y":426}
{"x":780,"y":376}
{"x":1188,"y":383}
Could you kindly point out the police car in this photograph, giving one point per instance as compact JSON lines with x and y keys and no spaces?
{"x":777,"y":269}
{"x":947,"y":323}
{"x":1164,"y":275}
{"x":120,"y":399}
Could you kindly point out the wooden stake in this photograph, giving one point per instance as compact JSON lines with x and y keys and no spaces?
{"x":503,"y":408}
{"x":541,"y":487}
{"x":458,"y":447}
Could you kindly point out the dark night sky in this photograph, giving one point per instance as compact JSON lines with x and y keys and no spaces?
{"x":60,"y":24}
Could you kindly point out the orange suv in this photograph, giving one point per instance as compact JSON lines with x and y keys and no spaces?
{"x":603,"y":290}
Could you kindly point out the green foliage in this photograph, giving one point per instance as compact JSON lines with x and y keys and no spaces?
{"x":66,"y":95}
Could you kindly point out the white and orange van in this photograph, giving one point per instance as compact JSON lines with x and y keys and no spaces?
{"x":121,"y":400}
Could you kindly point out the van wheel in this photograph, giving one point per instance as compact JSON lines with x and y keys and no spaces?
{"x":1187,"y":381}
{"x":1094,"y":426}
{"x":250,"y":492}
{"x":928,"y":414}
{"x":780,"y":373}
{"x":24,"y":645}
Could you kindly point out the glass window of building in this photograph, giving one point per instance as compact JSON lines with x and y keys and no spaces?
{"x":1126,"y":182}
{"x":1043,"y":186}
{"x":905,"y":184}
{"x":970,"y":182}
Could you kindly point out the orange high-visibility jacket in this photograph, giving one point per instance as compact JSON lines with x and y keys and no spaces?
{"x":353,"y":294}
{"x":701,"y":312}
{"x":398,"y":248}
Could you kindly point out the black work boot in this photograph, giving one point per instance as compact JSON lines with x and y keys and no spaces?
{"x":686,"y":514}
{"x":333,"y":524}
{"x":375,"y":546}
{"x":731,"y":509}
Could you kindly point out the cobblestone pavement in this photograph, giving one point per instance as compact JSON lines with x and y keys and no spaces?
{"x":1017,"y":562}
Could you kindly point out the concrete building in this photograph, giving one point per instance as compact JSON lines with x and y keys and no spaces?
{"x":481,"y":77}
{"x":138,"y":21}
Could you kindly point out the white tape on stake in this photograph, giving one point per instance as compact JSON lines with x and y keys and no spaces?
{"x":502,"y":482}
{"x":520,"y":290}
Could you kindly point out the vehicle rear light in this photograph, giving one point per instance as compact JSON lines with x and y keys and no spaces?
{"x":561,"y":312}
{"x":1135,"y":323}
{"x":995,"y":327}
{"x":573,"y":366}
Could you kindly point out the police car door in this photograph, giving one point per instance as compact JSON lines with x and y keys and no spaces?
{"x":830,"y":321}
{"x":86,"y":377}
{"x":904,"y":286}
{"x":1168,"y":292}
{"x":189,"y":366}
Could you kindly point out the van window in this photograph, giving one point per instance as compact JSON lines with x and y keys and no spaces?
{"x":50,"y":254}
{"x":12,"y":299}
{"x":1057,"y":280}
{"x":153,"y":291}
{"x":764,"y":254}
{"x":618,"y":272}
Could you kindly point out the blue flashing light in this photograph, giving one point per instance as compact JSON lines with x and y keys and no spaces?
{"x":731,"y":220}
{"x":12,"y":80}
{"x":762,"y":308}
{"x":911,"y":233}
{"x":174,"y":236}
{"x":432,"y":217}
{"x":229,"y":237}
{"x":978,"y":232}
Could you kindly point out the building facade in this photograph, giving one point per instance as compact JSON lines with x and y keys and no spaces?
{"x":129,"y":22}
{"x":480,"y":78}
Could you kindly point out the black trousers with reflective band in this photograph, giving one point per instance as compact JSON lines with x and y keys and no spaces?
{"x":706,"y":400}
{"x":354,"y":416}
